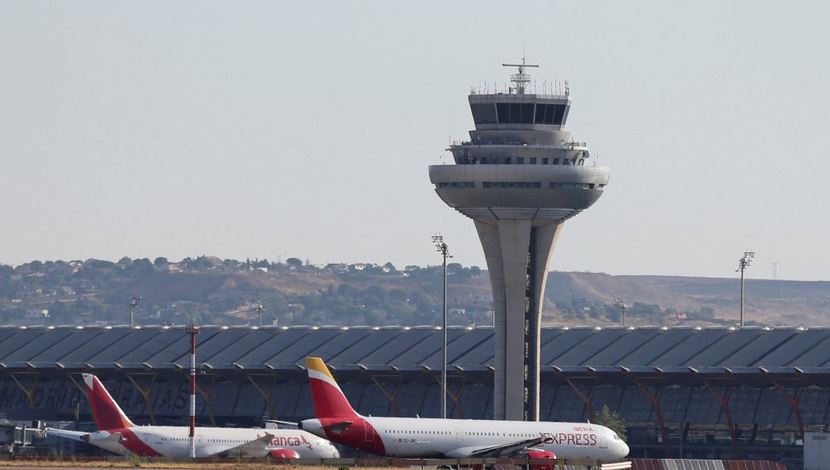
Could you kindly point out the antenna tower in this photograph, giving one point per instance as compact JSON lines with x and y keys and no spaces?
{"x":521,"y":79}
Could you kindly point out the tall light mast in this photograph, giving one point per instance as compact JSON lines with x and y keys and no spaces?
{"x":442,"y":247}
{"x":618,"y":302}
{"x":133,"y":305}
{"x":744,"y":263}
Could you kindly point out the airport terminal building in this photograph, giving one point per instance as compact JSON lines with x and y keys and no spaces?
{"x":683,"y":392}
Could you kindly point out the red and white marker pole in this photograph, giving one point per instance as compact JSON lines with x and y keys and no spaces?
{"x":192,"y":330}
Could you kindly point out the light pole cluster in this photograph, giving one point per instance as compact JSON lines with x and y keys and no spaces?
{"x":133,"y":305}
{"x":438,"y":241}
{"x":259,"y":309}
{"x":743,"y":263}
{"x":618,"y":302}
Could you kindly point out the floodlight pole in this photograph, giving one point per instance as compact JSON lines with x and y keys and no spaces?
{"x":442,"y":247}
{"x":259,"y":311}
{"x":192,"y":330}
{"x":743,"y":263}
{"x":621,"y":305}
{"x":133,"y":304}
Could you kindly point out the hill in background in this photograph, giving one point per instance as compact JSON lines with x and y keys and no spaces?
{"x":210,"y":290}
{"x":695,"y":300}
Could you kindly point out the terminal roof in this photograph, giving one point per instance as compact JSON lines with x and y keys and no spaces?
{"x":418,"y":349}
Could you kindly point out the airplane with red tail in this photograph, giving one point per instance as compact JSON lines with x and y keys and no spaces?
{"x":116,"y":433}
{"x":336,"y":420}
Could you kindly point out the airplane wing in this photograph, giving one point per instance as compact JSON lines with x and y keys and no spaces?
{"x":67,"y":434}
{"x":283,"y":423}
{"x":115,"y":437}
{"x":251,"y":449}
{"x":502,"y":450}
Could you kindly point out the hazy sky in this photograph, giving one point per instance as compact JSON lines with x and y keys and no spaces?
{"x":278,"y":129}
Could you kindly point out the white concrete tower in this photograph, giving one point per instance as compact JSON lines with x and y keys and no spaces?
{"x":519,"y":177}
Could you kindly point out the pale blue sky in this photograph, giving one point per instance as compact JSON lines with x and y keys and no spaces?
{"x":268,"y":129}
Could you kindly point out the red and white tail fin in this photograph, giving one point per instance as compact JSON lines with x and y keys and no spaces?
{"x":108,"y":415}
{"x":329,"y":401}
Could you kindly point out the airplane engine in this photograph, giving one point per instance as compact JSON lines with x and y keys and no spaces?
{"x":540,"y":455}
{"x":283,"y":454}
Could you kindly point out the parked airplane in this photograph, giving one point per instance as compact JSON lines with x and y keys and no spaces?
{"x":336,"y":420}
{"x":116,"y":433}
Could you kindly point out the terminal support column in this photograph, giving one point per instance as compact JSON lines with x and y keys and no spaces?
{"x":517,"y":255}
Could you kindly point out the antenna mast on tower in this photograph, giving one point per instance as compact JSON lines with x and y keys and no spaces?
{"x":521,"y":79}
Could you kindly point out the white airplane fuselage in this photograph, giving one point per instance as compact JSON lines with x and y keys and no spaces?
{"x":458,"y":438}
{"x":174,"y":441}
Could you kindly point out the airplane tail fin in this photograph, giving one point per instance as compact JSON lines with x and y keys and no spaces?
{"x":329,"y":401}
{"x":108,"y":415}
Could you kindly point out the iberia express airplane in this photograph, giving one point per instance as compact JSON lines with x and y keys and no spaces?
{"x":116,"y":433}
{"x":585,"y":443}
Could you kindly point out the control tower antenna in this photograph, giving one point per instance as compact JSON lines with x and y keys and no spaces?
{"x":521,"y":79}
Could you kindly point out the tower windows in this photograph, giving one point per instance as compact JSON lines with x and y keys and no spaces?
{"x":571,"y":186}
{"x":456,"y":184}
{"x":518,"y":113}
{"x":549,"y":113}
{"x":512,"y":184}
{"x":515,"y":113}
{"x":527,"y":113}
{"x":484,"y":113}
{"x":559,"y":114}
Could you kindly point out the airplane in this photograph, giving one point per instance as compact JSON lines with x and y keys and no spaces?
{"x":336,"y":420}
{"x":116,"y":433}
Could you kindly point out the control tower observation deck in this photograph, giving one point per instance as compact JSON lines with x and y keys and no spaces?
{"x":519,"y":177}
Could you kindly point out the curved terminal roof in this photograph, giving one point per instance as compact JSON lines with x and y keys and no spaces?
{"x":565,"y":350}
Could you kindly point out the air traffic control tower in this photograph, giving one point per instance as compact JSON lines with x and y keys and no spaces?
{"x":519,"y":177}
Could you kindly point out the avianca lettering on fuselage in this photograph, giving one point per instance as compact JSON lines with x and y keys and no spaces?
{"x":451,"y":438}
{"x":116,"y":433}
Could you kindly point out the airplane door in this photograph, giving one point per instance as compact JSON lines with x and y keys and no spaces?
{"x":603,"y":441}
{"x":459,"y":435}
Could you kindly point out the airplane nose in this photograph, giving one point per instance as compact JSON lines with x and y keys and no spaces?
{"x":624,"y":448}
